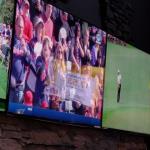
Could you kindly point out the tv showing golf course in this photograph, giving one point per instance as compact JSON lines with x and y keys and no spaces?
{"x":6,"y":23}
{"x":127,"y":88}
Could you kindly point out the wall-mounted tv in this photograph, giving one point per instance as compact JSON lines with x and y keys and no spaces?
{"x":58,"y":64}
{"x":127,"y":88}
{"x":6,"y":21}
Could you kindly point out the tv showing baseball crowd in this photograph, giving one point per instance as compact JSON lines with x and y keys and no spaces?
{"x":58,"y":64}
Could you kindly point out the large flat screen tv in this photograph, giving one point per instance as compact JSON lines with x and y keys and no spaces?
{"x":6,"y":21}
{"x":57,"y":67}
{"x":127,"y":88}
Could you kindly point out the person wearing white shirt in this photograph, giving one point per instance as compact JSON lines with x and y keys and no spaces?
{"x":119,"y":78}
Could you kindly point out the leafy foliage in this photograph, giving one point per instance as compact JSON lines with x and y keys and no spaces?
{"x":6,"y":11}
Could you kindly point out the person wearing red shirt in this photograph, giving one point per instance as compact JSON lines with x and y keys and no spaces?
{"x":48,"y":23}
{"x":28,"y":27}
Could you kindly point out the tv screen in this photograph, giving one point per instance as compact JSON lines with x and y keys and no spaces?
{"x":127,"y":88}
{"x":6,"y":21}
{"x":58,"y":65}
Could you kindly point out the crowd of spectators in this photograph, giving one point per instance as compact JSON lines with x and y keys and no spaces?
{"x":116,"y":40}
{"x":47,"y":42}
{"x":5,"y":43}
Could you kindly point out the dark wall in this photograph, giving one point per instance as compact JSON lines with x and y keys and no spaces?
{"x":128,"y":20}
{"x":140,"y":28}
{"x":85,"y":9}
{"x":119,"y":18}
{"x":26,"y":134}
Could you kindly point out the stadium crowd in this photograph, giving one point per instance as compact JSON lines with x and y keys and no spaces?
{"x":47,"y":42}
{"x":116,"y":40}
{"x":5,"y":43}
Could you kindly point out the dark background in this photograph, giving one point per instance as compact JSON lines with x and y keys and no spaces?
{"x":84,"y":9}
{"x":128,"y":20}
{"x":28,"y":134}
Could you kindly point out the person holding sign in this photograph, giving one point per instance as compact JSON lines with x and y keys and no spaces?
{"x":59,"y":77}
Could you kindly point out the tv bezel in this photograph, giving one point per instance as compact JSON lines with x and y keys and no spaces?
{"x":57,"y":121}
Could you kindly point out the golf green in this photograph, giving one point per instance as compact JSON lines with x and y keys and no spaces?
{"x":2,"y":106}
{"x":3,"y":81}
{"x":132,"y":113}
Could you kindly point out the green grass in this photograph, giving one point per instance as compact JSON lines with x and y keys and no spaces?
{"x":2,"y":106}
{"x":3,"y":81}
{"x":133,"y":111}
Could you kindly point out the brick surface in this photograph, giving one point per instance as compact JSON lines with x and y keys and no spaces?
{"x":0,"y":132}
{"x":45,"y":137}
{"x":27,"y":134}
{"x":9,"y":144}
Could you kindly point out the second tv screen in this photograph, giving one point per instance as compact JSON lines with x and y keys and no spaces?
{"x":6,"y":23}
{"x":58,"y":65}
{"x":127,"y":88}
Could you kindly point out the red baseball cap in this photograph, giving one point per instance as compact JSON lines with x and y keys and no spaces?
{"x":44,"y":104}
{"x":28,"y":98}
